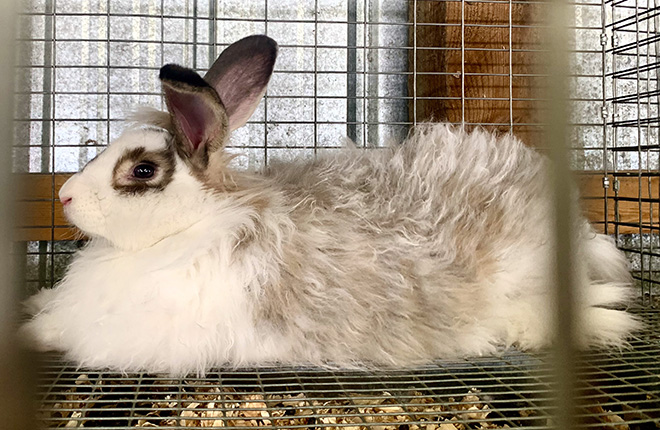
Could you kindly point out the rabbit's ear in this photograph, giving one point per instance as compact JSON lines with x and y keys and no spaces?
{"x":240,"y":75}
{"x":199,"y":118}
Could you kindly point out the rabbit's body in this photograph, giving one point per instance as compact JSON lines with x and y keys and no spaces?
{"x":439,"y":247}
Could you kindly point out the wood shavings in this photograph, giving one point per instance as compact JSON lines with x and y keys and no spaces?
{"x":92,"y":401}
{"x":608,"y":419}
{"x":83,"y":379}
{"x":75,"y":421}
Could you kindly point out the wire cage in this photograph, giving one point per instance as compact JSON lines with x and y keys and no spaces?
{"x":368,"y":70}
{"x":633,"y":139}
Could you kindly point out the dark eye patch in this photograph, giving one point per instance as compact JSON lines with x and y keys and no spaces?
{"x":138,"y":171}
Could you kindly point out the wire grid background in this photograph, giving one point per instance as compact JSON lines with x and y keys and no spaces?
{"x":344,"y":69}
{"x":631,"y":130}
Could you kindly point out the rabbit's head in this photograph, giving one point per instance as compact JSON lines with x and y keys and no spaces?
{"x":152,"y":182}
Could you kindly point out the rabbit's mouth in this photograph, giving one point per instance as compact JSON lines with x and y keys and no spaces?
{"x":85,"y":215}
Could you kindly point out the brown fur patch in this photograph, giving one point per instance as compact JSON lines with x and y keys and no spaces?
{"x":122,"y":175}
{"x":217,"y":176}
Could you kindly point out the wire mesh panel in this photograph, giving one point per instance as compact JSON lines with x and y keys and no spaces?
{"x":514,"y":390}
{"x":633,"y":143}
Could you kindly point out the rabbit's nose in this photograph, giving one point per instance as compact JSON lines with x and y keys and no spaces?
{"x":66,"y":192}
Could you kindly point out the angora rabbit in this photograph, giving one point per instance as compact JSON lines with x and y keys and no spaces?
{"x":439,"y":247}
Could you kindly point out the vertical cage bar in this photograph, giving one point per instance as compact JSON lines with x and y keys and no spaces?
{"x":316,"y":76}
{"x":615,"y":132}
{"x":162,"y":42}
{"x":510,"y":30}
{"x":647,"y":143}
{"x":463,"y":62}
{"x":194,"y":35}
{"x":45,"y":253}
{"x":604,"y":115}
{"x":108,"y":69}
{"x":351,"y":72}
{"x":638,"y":107}
{"x":16,"y":372}
{"x":47,"y":87}
{"x":373,"y":55}
{"x":414,"y":68}
{"x":213,"y":31}
{"x":51,"y":142}
{"x":266,"y":95}
{"x":656,"y":49}
{"x":557,"y":135}
{"x":365,"y":68}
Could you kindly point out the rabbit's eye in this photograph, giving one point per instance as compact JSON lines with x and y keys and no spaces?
{"x":144,"y":171}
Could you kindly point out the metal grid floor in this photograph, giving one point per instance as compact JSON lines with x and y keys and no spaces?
{"x":618,"y":390}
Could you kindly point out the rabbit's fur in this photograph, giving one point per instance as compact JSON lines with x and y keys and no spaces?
{"x":438,"y":247}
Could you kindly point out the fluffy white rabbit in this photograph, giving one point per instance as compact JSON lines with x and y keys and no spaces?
{"x":439,"y":247}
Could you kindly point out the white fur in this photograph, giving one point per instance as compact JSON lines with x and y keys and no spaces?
{"x":439,"y":247}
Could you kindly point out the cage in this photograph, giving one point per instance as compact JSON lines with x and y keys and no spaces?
{"x":368,"y":70}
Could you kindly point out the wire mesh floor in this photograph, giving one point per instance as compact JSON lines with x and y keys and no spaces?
{"x":618,"y":390}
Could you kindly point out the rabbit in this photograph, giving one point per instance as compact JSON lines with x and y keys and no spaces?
{"x":435,"y":248}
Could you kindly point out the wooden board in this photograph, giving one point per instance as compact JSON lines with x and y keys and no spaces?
{"x":631,"y":212}
{"x":39,"y":212}
{"x":498,"y":88}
